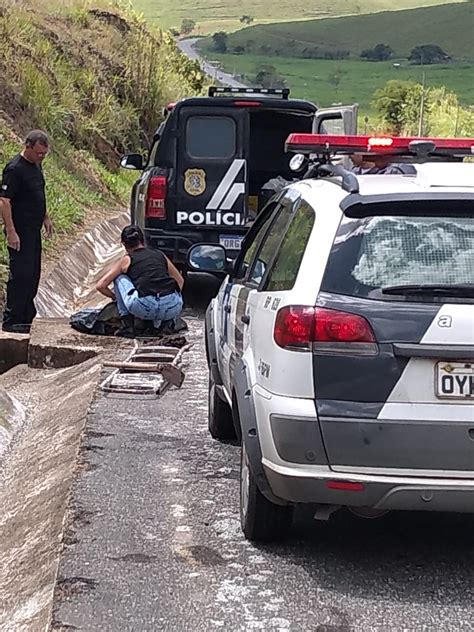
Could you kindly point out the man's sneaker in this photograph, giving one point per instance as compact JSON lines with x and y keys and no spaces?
{"x":17,"y":328}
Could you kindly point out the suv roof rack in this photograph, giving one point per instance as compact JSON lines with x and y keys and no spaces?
{"x":349,"y":181}
{"x":283,"y":93}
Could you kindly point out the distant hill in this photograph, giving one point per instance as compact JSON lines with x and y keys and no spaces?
{"x":225,"y":14}
{"x":450,"y":26}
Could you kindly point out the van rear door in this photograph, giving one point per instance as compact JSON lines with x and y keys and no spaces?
{"x":211,"y":181}
{"x":336,"y":120}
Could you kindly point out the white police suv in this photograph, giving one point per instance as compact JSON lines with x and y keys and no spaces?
{"x":341,"y":343}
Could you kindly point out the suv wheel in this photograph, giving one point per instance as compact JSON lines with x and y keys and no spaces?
{"x":261,"y":519}
{"x":221,"y":423}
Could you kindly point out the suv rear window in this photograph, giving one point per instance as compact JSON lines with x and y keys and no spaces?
{"x":374,"y":253}
{"x":210,"y":137}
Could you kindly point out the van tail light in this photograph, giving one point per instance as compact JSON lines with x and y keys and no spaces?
{"x":300,"y":328}
{"x":247,"y":104}
{"x":156,"y":197}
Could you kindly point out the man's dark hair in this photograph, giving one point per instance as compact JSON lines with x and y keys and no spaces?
{"x":132,"y":236}
{"x":37,"y":136}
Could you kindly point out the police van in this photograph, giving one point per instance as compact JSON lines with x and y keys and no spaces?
{"x":208,"y":161}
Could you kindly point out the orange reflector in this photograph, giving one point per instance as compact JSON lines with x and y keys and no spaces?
{"x":345,"y":486}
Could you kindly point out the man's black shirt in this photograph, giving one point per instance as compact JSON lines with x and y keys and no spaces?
{"x":23,"y":184}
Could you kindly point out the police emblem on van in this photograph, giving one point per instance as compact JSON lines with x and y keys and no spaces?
{"x":195,"y":182}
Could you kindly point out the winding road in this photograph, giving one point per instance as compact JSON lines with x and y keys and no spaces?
{"x":187,"y":46}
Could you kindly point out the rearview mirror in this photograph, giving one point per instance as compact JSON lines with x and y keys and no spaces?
{"x":207,"y":258}
{"x":132,"y":161}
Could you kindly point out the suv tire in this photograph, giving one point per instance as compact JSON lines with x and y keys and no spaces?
{"x":261,"y":520}
{"x":221,"y":423}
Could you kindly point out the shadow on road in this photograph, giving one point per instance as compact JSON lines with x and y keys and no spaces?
{"x":199,"y":290}
{"x":419,"y":558}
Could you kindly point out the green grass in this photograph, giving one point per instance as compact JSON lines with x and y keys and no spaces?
{"x":314,"y":79}
{"x":225,"y":16}
{"x":449,"y":26}
{"x":97,"y":84}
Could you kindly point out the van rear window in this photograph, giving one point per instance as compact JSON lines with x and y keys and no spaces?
{"x":210,"y":137}
{"x":376,"y":253}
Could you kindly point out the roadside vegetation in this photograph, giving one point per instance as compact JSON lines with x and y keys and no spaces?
{"x":96,"y":78}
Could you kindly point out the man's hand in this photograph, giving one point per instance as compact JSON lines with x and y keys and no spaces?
{"x":48,"y":228}
{"x":13,"y":239}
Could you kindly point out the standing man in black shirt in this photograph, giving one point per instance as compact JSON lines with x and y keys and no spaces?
{"x":24,"y":215}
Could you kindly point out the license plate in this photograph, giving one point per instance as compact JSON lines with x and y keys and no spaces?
{"x":231,"y":242}
{"x":455,"y":380}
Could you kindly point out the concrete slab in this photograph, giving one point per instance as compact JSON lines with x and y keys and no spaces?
{"x":54,"y":344}
{"x":13,"y":350}
{"x":35,"y":481}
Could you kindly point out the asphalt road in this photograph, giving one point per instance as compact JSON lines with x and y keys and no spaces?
{"x":156,"y":545}
{"x":187,"y":47}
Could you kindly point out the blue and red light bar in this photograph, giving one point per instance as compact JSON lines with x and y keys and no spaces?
{"x":386,"y":145}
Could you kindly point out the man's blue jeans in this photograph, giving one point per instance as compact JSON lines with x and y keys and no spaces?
{"x":155,"y":308}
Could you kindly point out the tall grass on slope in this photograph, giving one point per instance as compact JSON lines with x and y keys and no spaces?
{"x":96,"y":78}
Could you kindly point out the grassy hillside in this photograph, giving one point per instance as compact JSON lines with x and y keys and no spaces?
{"x":225,"y":15}
{"x":450,"y":26}
{"x":327,"y":81}
{"x":96,"y":80}
{"x":316,"y":79}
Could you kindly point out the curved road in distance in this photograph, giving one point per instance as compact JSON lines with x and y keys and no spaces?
{"x":187,"y":47}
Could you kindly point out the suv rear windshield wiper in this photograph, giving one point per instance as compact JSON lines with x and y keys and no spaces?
{"x":457,"y":289}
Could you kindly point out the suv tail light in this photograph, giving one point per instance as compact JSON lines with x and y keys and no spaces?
{"x":301,"y":328}
{"x":155,"y":197}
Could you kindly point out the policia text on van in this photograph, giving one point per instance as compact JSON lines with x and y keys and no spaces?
{"x":209,"y":159}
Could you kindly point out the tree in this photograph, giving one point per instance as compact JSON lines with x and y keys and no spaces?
{"x":381,"y":52}
{"x":335,"y":78}
{"x":250,"y":45}
{"x":398,"y":105}
{"x":428,"y":54}
{"x":219,"y":42}
{"x":187,"y":26}
{"x":266,"y":76}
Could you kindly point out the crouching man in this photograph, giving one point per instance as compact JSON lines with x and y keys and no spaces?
{"x":146,"y":284}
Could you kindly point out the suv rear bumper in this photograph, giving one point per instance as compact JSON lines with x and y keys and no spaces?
{"x":175,"y":245}
{"x":297,"y":471}
{"x":378,"y":492}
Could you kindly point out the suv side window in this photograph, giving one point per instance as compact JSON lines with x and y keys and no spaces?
{"x":285,"y":268}
{"x":270,"y":244}
{"x":258,"y":232}
{"x":211,"y":137}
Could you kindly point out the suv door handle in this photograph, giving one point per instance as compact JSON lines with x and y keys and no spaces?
{"x":245,"y":319}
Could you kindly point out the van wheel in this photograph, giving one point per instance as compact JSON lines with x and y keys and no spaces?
{"x":261,"y":520}
{"x":221,"y":424}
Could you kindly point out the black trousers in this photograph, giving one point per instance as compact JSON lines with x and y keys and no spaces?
{"x":25,"y":273}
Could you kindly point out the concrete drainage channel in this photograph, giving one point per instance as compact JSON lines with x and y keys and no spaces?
{"x":47,"y":384}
